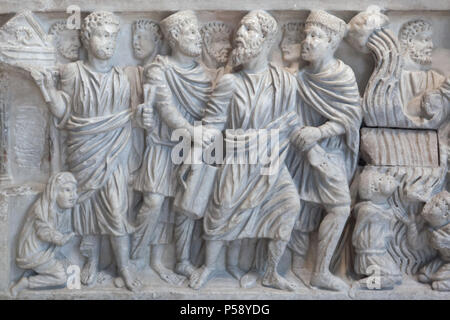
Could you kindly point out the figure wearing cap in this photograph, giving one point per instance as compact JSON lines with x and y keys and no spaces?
{"x":176,"y":89}
{"x":325,"y":159}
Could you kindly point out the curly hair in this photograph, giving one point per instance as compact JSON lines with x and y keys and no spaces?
{"x":57,"y":27}
{"x":173,"y":24}
{"x":442,"y":199}
{"x":296,"y":28}
{"x":149,"y":26}
{"x":97,"y":19}
{"x":214,"y":27}
{"x":411,"y":29}
{"x":268,"y":24}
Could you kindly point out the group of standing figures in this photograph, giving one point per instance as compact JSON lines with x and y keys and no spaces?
{"x":316,"y":110}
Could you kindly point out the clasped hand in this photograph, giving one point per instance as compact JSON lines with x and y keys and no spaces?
{"x":305,"y":137}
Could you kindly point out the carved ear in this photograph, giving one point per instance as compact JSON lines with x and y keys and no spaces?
{"x":174,"y":34}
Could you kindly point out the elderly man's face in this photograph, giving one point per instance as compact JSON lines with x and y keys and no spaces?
{"x":220,"y":46}
{"x":291,"y":46}
{"x":248,"y":42}
{"x":190,"y":40}
{"x":421,"y":47}
{"x":69,"y":44}
{"x":316,"y":45}
{"x":143,"y":43}
{"x":102,"y":41}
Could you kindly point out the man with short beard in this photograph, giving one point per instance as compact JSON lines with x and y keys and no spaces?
{"x":417,"y":78}
{"x":67,"y":41}
{"x":177,"y":87}
{"x":216,"y":38}
{"x":327,"y":145}
{"x":93,"y":105}
{"x":246,"y":202}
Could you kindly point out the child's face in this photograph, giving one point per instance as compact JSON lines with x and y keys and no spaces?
{"x":67,"y":195}
{"x":436,"y":215}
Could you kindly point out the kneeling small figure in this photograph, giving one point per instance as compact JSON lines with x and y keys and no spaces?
{"x":47,"y":227}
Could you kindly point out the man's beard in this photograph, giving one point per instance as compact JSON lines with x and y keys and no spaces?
{"x":421,"y":57}
{"x":191,"y":49}
{"x":104,"y":54}
{"x":70,"y":53}
{"x":221,"y":56}
{"x":245,"y":51}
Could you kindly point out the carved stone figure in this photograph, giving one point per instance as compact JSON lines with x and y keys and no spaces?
{"x":416,"y":43}
{"x":436,"y":213}
{"x":216,"y":47}
{"x":176,"y":88}
{"x":328,"y":145}
{"x":47,"y":226}
{"x":132,"y":151}
{"x":67,"y":41}
{"x":293,"y":35}
{"x":146,"y":42}
{"x":246,"y":203}
{"x":374,"y":216}
{"x":400,"y":88}
{"x":93,"y":105}
{"x":398,"y":95}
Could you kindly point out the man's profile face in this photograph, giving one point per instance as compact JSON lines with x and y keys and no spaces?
{"x":69,"y":44}
{"x":190,"y":40}
{"x":290,"y":46}
{"x":103,"y":41}
{"x":316,"y":44}
{"x":248,"y":42}
{"x":421,"y":47}
{"x":143,"y":44}
{"x":220,"y":47}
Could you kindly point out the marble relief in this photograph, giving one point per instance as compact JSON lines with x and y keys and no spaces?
{"x":193,"y":154}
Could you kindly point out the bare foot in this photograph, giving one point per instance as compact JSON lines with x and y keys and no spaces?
{"x":443,"y":285}
{"x":19,"y":286}
{"x":184,"y":268}
{"x":273,"y":280}
{"x":328,"y":281}
{"x":168,"y":275}
{"x":235,"y":271}
{"x":249,"y":279}
{"x":132,"y":283}
{"x":199,"y":277}
{"x":89,"y":273}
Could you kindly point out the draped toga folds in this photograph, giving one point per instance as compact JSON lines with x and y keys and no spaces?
{"x":188,"y":90}
{"x":329,"y":97}
{"x":245,"y":202}
{"x":98,"y":122}
{"x":45,"y":223}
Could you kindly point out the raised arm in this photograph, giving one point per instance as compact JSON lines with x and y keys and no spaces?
{"x":57,"y":100}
